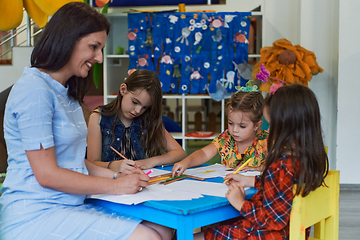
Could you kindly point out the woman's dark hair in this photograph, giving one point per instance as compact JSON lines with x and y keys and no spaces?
{"x":70,"y":23}
{"x":247,"y":102}
{"x":151,"y":120}
{"x":295,"y":128}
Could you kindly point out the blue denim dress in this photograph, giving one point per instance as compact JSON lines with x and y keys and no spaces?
{"x":106,"y":123}
{"x":39,"y":113}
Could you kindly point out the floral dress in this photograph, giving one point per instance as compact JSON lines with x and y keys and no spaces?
{"x":230,"y":155}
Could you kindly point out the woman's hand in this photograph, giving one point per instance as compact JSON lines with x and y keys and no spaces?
{"x":131,"y":183}
{"x":236,"y":195}
{"x":179,"y":168}
{"x":241,"y":180}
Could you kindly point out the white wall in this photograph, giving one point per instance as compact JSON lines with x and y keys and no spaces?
{"x":9,"y":74}
{"x":348,"y":127}
{"x":320,"y":33}
{"x":314,"y":26}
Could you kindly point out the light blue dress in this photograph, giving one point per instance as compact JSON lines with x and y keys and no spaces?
{"x":39,"y":112}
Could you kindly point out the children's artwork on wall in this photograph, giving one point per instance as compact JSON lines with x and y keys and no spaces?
{"x":192,"y":52}
{"x":135,"y":3}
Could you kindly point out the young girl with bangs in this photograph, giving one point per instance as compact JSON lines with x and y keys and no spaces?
{"x":243,"y":140}
{"x":296,"y":156}
{"x":132,"y":125}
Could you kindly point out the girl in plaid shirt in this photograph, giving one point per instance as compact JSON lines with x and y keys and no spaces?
{"x":296,"y":156}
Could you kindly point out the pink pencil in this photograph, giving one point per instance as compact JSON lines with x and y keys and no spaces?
{"x":148,"y":172}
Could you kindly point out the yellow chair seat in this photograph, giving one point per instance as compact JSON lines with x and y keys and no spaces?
{"x":319,"y":209}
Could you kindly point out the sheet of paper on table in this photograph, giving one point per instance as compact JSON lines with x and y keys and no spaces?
{"x":186,"y":189}
{"x":179,"y":190}
{"x":215,"y":170}
{"x":202,"y":187}
{"x":153,"y":192}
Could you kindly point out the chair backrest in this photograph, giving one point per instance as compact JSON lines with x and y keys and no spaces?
{"x":319,"y":209}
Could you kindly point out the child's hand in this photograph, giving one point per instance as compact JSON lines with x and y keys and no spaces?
{"x":127,"y":166}
{"x":241,"y":180}
{"x":179,"y":168}
{"x":145,"y":164}
{"x":236,"y":196}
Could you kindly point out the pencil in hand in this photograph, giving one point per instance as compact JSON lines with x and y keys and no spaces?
{"x":118,"y":153}
{"x":241,"y":167}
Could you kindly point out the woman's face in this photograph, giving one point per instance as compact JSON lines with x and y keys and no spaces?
{"x":86,"y":53}
{"x":133,"y":104}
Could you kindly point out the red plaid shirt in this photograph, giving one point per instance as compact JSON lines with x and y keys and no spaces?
{"x":267,"y":214}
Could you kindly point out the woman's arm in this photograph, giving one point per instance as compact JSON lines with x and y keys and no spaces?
{"x":95,"y":170}
{"x":195,"y":159}
{"x":50,"y":175}
{"x":174,"y":153}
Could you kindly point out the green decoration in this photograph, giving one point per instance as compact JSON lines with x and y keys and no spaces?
{"x":97,"y":72}
{"x":104,"y":9}
{"x":119,"y":50}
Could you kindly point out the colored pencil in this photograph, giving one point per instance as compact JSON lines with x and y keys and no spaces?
{"x":174,"y":179}
{"x":118,"y":152}
{"x":197,"y":178}
{"x":158,"y":179}
{"x":241,"y":167}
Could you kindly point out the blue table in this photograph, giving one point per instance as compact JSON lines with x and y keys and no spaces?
{"x":182,"y":215}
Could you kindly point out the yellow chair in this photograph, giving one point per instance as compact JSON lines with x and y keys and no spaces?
{"x":319,"y":209}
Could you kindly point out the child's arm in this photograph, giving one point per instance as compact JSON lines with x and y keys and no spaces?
{"x":94,"y":148}
{"x":195,"y":159}
{"x":174,"y":153}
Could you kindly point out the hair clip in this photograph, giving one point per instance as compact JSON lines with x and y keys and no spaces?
{"x":264,"y":76}
{"x":249,"y":87}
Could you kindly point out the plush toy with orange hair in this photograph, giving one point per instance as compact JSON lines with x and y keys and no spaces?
{"x":291,"y":63}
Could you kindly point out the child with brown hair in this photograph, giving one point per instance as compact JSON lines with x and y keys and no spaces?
{"x":243,"y":140}
{"x":296,"y":156}
{"x":132,"y":125}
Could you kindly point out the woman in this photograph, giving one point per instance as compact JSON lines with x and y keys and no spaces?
{"x":45,"y":132}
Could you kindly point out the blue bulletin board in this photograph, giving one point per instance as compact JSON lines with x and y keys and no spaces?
{"x":123,"y":3}
{"x":193,"y":52}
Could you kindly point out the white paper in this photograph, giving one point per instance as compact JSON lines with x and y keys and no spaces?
{"x":211,"y":171}
{"x":156,"y":172}
{"x":202,"y":187}
{"x":152,"y":192}
{"x":186,"y":189}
